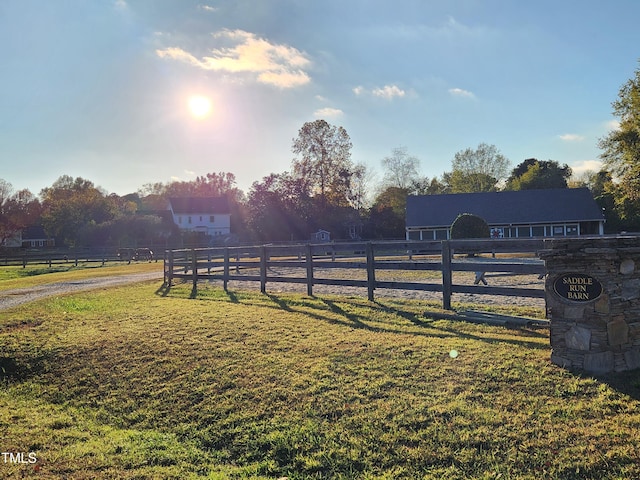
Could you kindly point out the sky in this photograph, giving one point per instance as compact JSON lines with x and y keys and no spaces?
{"x":130,"y":92}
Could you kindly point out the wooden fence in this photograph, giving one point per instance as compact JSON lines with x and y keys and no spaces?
{"x":53,"y":257}
{"x":256,"y":264}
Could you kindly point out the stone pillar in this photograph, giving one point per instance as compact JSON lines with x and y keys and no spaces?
{"x":593,"y":302}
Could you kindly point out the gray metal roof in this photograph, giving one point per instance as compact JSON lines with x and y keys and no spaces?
{"x":505,"y":208}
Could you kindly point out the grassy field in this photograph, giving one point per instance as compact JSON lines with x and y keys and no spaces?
{"x":136,"y":382}
{"x":18,"y":277}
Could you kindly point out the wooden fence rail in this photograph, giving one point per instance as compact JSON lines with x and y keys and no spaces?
{"x":240,"y":263}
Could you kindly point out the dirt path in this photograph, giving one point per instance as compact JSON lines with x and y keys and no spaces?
{"x":19,"y":296}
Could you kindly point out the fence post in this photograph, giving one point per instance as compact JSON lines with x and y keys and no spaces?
{"x":446,"y":275}
{"x":371,"y":272}
{"x":309,"y":261}
{"x":170,"y":270}
{"x":24,"y":260}
{"x":263,"y":269}
{"x":225,"y":273}
{"x":194,"y":266}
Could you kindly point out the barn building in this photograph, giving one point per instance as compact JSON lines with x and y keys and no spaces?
{"x":510,"y":214}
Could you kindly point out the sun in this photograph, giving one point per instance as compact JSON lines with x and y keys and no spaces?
{"x":199,"y":106}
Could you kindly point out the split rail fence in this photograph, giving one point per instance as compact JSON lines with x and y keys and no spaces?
{"x":260,"y":264}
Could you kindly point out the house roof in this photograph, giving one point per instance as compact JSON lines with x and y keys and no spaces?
{"x":34,"y":232}
{"x":504,"y":208}
{"x":194,"y":205}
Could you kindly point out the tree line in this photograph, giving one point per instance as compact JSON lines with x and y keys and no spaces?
{"x":325,"y":189}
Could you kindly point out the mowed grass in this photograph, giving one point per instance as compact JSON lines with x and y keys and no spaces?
{"x":17,"y":277}
{"x":138,"y":383}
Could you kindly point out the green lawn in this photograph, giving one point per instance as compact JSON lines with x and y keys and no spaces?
{"x":130,"y":383}
{"x":18,"y":277}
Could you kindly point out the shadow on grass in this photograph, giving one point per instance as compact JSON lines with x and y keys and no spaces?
{"x":163,"y":290}
{"x":333,"y":311}
{"x":626,"y":383}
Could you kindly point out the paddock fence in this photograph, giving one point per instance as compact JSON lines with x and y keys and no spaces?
{"x":312,"y":264}
{"x":56,"y":257}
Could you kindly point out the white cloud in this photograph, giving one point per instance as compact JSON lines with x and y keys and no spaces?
{"x":459,"y":92}
{"x":583,"y":166}
{"x":612,"y":125}
{"x":121,"y":4}
{"x":388,"y":92}
{"x":279,"y":65}
{"x":207,"y":8}
{"x":328,"y":112}
{"x":571,"y":137}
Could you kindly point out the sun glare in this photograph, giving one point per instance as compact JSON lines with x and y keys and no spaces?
{"x":199,"y":106}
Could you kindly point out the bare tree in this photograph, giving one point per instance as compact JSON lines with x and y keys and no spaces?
{"x":401,"y":169}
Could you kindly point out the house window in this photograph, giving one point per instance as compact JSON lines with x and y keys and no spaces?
{"x":414,"y":235}
{"x":200,"y":217}
{"x":558,"y":230}
{"x":212,"y":219}
{"x":524,"y":232}
{"x":537,"y":231}
{"x":441,"y":234}
{"x":188,"y":219}
{"x":572,"y":229}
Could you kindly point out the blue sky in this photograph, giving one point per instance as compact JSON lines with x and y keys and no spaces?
{"x":101,"y":89}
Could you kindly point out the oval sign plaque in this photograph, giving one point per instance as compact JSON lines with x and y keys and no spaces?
{"x":577,"y":287}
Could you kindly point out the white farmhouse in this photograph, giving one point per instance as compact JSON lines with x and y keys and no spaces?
{"x":207,"y":215}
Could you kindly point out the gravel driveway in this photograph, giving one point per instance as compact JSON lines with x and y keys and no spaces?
{"x":18,"y":296}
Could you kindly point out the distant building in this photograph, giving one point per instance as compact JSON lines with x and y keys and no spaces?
{"x":321,"y":236}
{"x":34,"y":236}
{"x":511,"y":214}
{"x":207,"y":215}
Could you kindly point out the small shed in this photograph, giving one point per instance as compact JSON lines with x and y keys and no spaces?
{"x":321,"y":236}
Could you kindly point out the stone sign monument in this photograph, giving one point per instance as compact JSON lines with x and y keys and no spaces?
{"x":593,"y":302}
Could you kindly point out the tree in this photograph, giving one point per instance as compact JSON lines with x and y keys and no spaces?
{"x":71,"y":204}
{"x":477,"y":170}
{"x":621,"y":152}
{"x":535,"y":174}
{"x":359,"y":192}
{"x":467,"y":225}
{"x":428,"y":186}
{"x":401,"y":169}
{"x":325,"y":160}
{"x":278,"y":208}
{"x":17,"y":210}
{"x":387,"y":215}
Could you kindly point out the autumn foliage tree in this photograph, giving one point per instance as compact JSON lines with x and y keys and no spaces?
{"x":17,"y":210}
{"x":71,"y":204}
{"x":324,"y":161}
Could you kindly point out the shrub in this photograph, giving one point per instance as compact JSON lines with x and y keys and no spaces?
{"x":467,"y":225}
